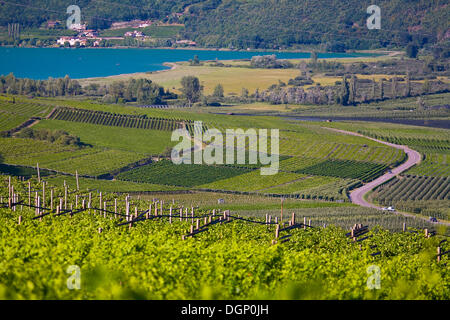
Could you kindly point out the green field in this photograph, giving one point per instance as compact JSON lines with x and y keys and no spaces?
{"x":233,"y":260}
{"x":14,"y":114}
{"x":150,"y":142}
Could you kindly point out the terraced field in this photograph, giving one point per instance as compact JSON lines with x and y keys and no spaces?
{"x":14,"y":114}
{"x":88,"y":161}
{"x":433,"y":165}
{"x":166,"y":173}
{"x":364,"y":171}
{"x":414,"y":188}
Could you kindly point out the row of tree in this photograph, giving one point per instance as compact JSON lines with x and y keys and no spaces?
{"x":351,"y":91}
{"x":46,"y":88}
{"x":142,"y":91}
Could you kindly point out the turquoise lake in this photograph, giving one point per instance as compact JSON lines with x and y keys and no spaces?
{"x":42,"y":63}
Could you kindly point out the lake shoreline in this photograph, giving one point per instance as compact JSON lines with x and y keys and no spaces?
{"x":42,"y":63}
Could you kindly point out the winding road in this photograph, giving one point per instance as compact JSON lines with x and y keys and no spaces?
{"x":357,"y":195}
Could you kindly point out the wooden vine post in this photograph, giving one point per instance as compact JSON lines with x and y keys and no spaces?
{"x":51,"y":199}
{"x":277,"y":234}
{"x":38,"y":172}
{"x":281,"y":217}
{"x":43,"y":194}
{"x":170,"y":215}
{"x":9,"y":192}
{"x":65,"y":197}
{"x":29,"y":193}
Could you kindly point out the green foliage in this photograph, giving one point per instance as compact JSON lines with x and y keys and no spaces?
{"x":218,"y":91}
{"x":412,"y":50}
{"x":229,"y":261}
{"x":269,"y":62}
{"x":364,"y":171}
{"x":54,"y":136}
{"x":115,"y":120}
{"x":191,"y":88}
{"x":46,"y":88}
{"x":166,"y":173}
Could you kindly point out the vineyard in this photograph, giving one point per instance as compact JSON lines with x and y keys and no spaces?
{"x":434,"y":165}
{"x":415,"y":188}
{"x":14,"y":114}
{"x":117,"y":120}
{"x":418,"y":194}
{"x":45,"y":229}
{"x":364,"y":171}
{"x":88,"y":161}
{"x":166,"y":173}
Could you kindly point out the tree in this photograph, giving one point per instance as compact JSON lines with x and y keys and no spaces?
{"x":218,"y":91}
{"x":374,"y":90}
{"x":381,"y":89}
{"x":394,"y":87}
{"x":244,"y":93}
{"x":426,"y":86}
{"x":344,"y":92}
{"x":412,"y":50}
{"x":408,"y":86}
{"x":314,"y":57}
{"x":191,"y":88}
{"x":352,"y":91}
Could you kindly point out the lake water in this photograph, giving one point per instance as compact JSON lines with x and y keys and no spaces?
{"x":41,"y":63}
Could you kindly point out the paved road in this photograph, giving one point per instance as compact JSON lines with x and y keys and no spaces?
{"x":357,"y":195}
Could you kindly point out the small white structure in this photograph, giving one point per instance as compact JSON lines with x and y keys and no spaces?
{"x":220,"y":201}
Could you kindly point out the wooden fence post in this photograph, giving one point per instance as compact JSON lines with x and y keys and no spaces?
{"x":76,"y":201}
{"x":65,"y":198}
{"x":304,"y":222}
{"x":51,"y":199}
{"x":197,"y":226}
{"x":426,"y":233}
{"x":115,"y":207}
{"x":438,"y":253}
{"x":170,"y":215}
{"x":20,"y":221}
{"x":29,"y":193}
{"x":404,"y":226}
{"x":11,"y":205}
{"x":281,"y":217}
{"x":101,"y":201}
{"x":293,"y":219}
{"x":43,"y":194}
{"x":9,"y":192}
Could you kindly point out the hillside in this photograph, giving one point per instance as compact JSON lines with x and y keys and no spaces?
{"x":337,"y":25}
